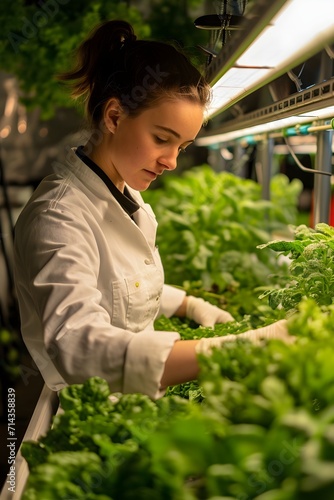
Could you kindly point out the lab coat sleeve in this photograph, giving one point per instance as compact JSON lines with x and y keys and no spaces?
{"x":171,"y":300}
{"x":146,"y":355}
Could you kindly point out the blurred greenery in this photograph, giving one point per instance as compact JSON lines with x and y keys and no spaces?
{"x":173,"y":20}
{"x":38,"y":38}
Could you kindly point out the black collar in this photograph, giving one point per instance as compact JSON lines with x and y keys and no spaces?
{"x":125,"y":199}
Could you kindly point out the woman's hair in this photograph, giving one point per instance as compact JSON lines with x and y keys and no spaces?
{"x":113,"y":63}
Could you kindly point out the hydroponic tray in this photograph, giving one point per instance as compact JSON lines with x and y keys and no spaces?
{"x":40,"y":423}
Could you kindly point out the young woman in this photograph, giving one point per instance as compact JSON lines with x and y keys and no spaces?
{"x":88,"y":274}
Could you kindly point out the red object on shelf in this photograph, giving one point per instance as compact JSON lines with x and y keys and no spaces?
{"x":331,"y":212}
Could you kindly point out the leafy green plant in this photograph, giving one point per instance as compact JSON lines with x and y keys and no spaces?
{"x":10,"y":349}
{"x":311,"y":270}
{"x":211,"y":223}
{"x":37,"y":42}
{"x":98,"y":447}
{"x":171,"y":20}
{"x":38,"y":38}
{"x":259,"y":426}
{"x":209,"y":227}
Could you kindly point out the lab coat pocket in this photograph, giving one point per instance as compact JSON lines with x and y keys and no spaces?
{"x":135,"y":301}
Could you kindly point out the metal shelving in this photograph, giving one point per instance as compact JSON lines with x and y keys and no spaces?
{"x":306,"y":101}
{"x":312,"y":107}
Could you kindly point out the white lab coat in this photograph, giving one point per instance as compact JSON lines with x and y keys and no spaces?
{"x":90,"y":284}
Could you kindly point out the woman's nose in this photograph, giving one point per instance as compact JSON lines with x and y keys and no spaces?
{"x":169,"y":160}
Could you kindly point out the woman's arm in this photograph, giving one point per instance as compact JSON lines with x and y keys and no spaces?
{"x":181,"y":364}
{"x":182,"y":310}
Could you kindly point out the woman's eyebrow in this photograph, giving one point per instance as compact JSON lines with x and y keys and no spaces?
{"x":167,"y":129}
{"x":171,"y":131}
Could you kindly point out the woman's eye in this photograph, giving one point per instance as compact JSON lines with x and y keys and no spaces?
{"x":159,"y":140}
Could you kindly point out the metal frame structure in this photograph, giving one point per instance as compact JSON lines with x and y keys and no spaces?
{"x":320,"y":95}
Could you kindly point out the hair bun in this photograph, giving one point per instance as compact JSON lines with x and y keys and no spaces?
{"x":111,"y":35}
{"x":116,"y":33}
{"x":127,"y":40}
{"x":128,"y":35}
{"x":112,"y":63}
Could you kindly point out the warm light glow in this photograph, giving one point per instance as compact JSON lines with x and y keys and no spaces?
{"x":5,"y":132}
{"x":302,"y":149}
{"x":301,"y":28}
{"x":22,"y":126}
{"x":10,"y":106}
{"x":22,"y":119}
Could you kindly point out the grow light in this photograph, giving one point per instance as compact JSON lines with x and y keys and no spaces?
{"x":299,"y":30}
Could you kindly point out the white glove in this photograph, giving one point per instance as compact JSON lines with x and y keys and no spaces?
{"x":204,"y":313}
{"x":276,"y":330}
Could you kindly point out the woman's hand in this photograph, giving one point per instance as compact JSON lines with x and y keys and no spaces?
{"x":276,"y":331}
{"x":204,"y":313}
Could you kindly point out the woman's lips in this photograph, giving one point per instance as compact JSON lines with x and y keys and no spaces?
{"x":151,"y":175}
{"x":154,"y":175}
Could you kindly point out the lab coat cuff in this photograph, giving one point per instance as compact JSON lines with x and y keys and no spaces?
{"x":145,"y":360}
{"x":171,"y":300}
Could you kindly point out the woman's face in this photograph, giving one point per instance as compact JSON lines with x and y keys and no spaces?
{"x":143,"y":147}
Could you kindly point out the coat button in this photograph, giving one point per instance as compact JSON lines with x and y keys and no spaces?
{"x":147,"y":261}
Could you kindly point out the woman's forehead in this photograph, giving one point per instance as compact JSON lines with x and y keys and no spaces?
{"x":179,"y":116}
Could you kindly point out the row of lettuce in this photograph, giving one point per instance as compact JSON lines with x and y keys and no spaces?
{"x":259,"y":422}
{"x":210,"y":226}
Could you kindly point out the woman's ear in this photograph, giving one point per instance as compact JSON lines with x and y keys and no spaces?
{"x":112,"y":114}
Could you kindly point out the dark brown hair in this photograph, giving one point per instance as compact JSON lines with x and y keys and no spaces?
{"x":111,"y":62}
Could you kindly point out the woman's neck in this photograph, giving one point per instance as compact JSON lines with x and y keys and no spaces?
{"x":100,"y":154}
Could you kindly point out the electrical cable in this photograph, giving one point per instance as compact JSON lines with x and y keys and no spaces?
{"x":296,"y":78}
{"x":299,"y":164}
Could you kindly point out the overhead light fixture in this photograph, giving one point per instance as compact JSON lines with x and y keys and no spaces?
{"x":269,"y":127}
{"x":227,"y":18}
{"x":298,"y":30}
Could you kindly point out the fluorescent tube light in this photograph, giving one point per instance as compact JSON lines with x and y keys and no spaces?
{"x":299,"y":30}
{"x":265,"y":128}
